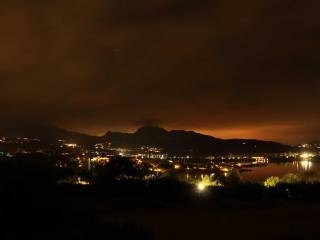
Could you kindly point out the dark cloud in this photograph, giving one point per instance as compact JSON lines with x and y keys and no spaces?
{"x":222,"y":66}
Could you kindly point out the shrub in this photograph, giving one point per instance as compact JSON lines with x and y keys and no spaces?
{"x":271,"y":182}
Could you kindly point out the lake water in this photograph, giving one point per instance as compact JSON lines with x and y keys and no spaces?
{"x":308,"y":168}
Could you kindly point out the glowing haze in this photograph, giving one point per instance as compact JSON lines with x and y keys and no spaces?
{"x":229,"y":68}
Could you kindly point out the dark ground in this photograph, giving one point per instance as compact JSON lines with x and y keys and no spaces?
{"x":232,"y":220}
{"x":89,"y":214}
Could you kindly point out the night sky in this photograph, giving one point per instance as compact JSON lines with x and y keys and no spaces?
{"x":228,"y":68}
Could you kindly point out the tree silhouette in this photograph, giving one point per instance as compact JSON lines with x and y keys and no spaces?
{"x":117,"y":167}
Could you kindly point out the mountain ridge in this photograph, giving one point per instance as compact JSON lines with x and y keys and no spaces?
{"x":173,"y":141}
{"x":190,"y":142}
{"x":47,"y":133}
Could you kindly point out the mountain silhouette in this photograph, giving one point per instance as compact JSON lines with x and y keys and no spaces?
{"x":48,"y":133}
{"x":172,"y":142}
{"x":189,"y":142}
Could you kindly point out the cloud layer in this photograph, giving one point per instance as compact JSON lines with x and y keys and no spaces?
{"x":226,"y":67}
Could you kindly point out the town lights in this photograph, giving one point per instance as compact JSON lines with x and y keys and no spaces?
{"x":71,"y":145}
{"x":177,"y":166}
{"x":306,"y":155}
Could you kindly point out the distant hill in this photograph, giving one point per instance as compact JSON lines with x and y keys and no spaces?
{"x":174,"y":142}
{"x":48,"y":133}
{"x":189,"y":142}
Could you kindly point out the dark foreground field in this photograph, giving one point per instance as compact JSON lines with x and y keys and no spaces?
{"x":131,"y":212}
{"x":231,"y":221}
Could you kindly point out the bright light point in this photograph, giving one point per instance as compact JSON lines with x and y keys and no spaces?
{"x":201,"y":187}
{"x":306,"y":155}
{"x":82,"y":182}
{"x":306,"y":165}
{"x":177,"y":166}
{"x":71,"y":145}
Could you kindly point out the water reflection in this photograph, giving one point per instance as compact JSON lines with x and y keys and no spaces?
{"x":306,"y":168}
{"x":306,"y":165}
{"x":302,"y":167}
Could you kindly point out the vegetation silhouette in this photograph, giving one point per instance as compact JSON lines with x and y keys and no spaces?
{"x":34,"y":206}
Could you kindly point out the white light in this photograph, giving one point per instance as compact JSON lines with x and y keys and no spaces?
{"x":306,"y":165}
{"x":201,"y":187}
{"x":306,"y":155}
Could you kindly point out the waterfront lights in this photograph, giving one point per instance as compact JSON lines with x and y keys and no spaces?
{"x":306,"y":155}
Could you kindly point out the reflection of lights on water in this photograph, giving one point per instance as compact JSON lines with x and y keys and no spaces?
{"x":306,"y":165}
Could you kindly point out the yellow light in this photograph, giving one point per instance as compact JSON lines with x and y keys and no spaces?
{"x":306,"y":165}
{"x":157,"y":170}
{"x":177,"y":166}
{"x":71,"y":145}
{"x":306,"y":155}
{"x":82,"y":182}
{"x":201,"y":187}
